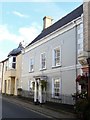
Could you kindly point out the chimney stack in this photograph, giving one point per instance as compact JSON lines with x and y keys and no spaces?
{"x":47,"y":21}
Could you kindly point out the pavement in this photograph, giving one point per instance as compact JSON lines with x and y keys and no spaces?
{"x":46,"y":109}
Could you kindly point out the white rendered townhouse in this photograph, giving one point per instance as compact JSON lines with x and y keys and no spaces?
{"x":50,"y":62}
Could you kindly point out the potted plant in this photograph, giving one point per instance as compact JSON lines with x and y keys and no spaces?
{"x":82,"y":79}
{"x":33,"y":85}
{"x":43,"y":84}
{"x":19,"y":91}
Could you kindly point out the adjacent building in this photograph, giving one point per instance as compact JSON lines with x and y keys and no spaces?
{"x":11,"y":71}
{"x":84,"y":56}
{"x":50,"y":62}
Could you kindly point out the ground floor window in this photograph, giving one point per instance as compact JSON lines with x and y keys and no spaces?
{"x":56,"y":86}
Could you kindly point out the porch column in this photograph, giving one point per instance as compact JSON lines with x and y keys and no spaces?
{"x":40,"y":93}
{"x":35,"y":92}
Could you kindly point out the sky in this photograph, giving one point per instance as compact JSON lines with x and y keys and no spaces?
{"x":23,"y":21}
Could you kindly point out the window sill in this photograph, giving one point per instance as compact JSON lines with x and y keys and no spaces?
{"x":43,"y":69}
{"x":55,"y":97}
{"x":56,"y":66}
{"x":31,"y":71}
{"x":11,"y":69}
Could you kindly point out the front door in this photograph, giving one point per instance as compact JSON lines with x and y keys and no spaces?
{"x":12,"y":86}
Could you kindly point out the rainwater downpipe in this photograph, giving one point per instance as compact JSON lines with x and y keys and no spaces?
{"x":76,"y":40}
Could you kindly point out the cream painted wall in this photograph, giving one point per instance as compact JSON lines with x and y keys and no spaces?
{"x":11,"y":87}
{"x":18,"y":72}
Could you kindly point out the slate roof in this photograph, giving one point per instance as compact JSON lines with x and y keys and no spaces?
{"x":68,"y":18}
{"x":16,"y":51}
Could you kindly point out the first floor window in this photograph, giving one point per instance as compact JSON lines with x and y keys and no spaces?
{"x":31,"y":69}
{"x":12,"y":62}
{"x":43,"y":61}
{"x":57,"y":56}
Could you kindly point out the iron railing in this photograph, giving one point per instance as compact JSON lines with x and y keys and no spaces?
{"x":63,"y":98}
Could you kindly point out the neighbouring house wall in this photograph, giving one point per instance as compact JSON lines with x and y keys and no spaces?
{"x":18,"y":72}
{"x":11,"y":77}
{"x":86,"y":18}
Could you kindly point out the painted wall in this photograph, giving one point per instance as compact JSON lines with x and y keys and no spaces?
{"x":67,"y":71}
{"x":11,"y":77}
{"x":18,"y":72}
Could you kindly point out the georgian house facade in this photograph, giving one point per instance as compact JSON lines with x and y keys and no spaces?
{"x":11,"y":72}
{"x":50,"y":62}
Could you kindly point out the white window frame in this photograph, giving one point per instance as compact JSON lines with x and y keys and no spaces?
{"x":53,"y":57}
{"x":53,"y":87}
{"x":31,"y":63}
{"x":41,"y":66}
{"x":10,"y":63}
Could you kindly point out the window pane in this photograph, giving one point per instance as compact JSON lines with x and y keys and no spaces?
{"x":14,"y":59}
{"x":31,"y":65}
{"x":56,"y":87}
{"x":57,"y":56}
{"x":43,"y":60}
{"x":14,"y":65}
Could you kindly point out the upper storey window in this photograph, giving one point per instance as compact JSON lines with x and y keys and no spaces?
{"x":43,"y":61}
{"x":31,"y":66}
{"x":57,"y":57}
{"x":12,"y":62}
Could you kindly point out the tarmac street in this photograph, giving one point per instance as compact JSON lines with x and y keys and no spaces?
{"x":14,"y":107}
{"x":12,"y":110}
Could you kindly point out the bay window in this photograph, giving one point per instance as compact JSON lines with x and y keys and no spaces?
{"x":12,"y":62}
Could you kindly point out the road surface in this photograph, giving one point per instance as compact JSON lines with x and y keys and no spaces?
{"x":12,"y":110}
